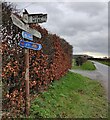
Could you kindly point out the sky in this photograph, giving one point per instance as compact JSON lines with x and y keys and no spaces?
{"x":83,"y":24}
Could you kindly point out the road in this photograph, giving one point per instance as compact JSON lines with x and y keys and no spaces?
{"x":101,"y":74}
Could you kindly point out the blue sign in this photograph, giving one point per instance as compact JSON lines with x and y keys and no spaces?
{"x":27,"y":35}
{"x":30,"y":45}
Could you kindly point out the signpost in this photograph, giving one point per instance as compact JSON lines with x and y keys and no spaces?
{"x":30,"y":45}
{"x":33,"y":19}
{"x":24,"y":26}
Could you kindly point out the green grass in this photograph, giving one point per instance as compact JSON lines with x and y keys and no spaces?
{"x":88,"y":65}
{"x":74,"y":96}
{"x":104,"y":62}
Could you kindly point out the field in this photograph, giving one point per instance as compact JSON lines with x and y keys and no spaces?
{"x":73,"y":96}
{"x":104,"y":62}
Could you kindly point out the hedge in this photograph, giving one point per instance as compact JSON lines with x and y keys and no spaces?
{"x":49,"y":64}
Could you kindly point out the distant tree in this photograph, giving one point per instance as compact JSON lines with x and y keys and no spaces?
{"x":80,"y":60}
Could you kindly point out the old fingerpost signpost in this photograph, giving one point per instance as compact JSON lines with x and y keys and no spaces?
{"x":27,"y":35}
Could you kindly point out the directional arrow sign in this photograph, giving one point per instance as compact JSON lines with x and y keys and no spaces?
{"x":23,"y":26}
{"x":30,"y":45}
{"x":27,"y":35}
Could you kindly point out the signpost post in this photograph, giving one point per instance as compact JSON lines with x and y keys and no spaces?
{"x":28,"y":18}
{"x":27,"y":90}
{"x":27,"y":104}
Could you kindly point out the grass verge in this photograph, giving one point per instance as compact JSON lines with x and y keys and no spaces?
{"x":86,"y":66}
{"x":104,"y":62}
{"x":74,"y":96}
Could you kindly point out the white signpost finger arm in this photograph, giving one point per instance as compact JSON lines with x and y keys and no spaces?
{"x":25,"y":27}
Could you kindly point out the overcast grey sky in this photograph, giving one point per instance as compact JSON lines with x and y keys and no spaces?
{"x":83,"y":24}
